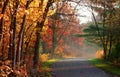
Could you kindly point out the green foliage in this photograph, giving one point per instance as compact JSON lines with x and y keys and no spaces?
{"x":46,"y":68}
{"x":86,"y":35}
{"x":47,"y":64}
{"x":93,"y":29}
{"x":105,"y":66}
{"x":46,"y":74}
{"x":115,"y":54}
{"x":117,"y":47}
{"x":91,"y":34}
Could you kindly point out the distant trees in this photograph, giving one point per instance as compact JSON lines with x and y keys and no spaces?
{"x":107,"y":25}
{"x":108,"y":18}
{"x":59,"y":26}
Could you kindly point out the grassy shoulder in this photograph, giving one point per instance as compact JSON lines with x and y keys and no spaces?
{"x":48,"y":63}
{"x":45,"y":72}
{"x":106,"y":66}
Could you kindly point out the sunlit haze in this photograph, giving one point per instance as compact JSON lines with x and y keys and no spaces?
{"x":84,"y":12}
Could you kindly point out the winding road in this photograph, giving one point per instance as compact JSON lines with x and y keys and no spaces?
{"x":77,"y":68}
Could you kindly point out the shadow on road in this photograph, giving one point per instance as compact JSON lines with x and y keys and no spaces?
{"x":77,"y":68}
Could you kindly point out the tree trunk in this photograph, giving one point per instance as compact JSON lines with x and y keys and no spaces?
{"x":37,"y":48}
{"x":38,"y":36}
{"x":110,"y":46}
{"x":3,"y":47}
{"x":21,"y":35}
{"x":102,"y":37}
{"x":14,"y":34}
{"x":2,"y":19}
{"x":28,"y":40}
{"x":44,"y":47}
{"x":110,"y":32}
{"x":53,"y":38}
{"x":10,"y":41}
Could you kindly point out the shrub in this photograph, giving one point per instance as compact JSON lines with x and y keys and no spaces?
{"x":44,"y":57}
{"x":115,"y":54}
{"x":100,"y":54}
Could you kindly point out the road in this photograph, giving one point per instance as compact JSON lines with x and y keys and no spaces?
{"x":77,"y":68}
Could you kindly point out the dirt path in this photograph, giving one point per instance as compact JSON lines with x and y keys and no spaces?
{"x":77,"y":68}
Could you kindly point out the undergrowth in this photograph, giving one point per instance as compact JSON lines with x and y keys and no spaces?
{"x":106,"y":66}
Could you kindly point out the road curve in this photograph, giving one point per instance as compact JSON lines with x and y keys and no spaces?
{"x":77,"y":68}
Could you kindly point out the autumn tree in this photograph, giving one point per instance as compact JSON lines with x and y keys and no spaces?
{"x":108,"y":22}
{"x":17,"y":13}
{"x":23,"y":24}
{"x":4,"y":5}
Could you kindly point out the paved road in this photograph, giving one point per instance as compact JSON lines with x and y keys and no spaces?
{"x":77,"y":68}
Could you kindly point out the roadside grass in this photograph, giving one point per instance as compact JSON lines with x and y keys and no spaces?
{"x":46,"y":68}
{"x":106,"y":66}
{"x":48,"y":63}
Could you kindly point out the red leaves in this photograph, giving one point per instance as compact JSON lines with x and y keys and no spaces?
{"x":61,"y":41}
{"x":65,"y":33}
{"x":80,"y":41}
{"x":49,"y":31}
{"x":49,"y":23}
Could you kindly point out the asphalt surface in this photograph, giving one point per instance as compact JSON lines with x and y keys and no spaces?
{"x":77,"y":68}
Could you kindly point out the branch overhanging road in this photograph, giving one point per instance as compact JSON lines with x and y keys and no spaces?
{"x":77,"y":68}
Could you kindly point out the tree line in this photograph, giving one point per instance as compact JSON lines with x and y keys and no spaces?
{"x":29,"y":28}
{"x":105,"y":31}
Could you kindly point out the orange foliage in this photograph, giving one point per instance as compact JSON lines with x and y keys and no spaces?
{"x":23,"y":71}
{"x":99,"y":54}
{"x":44,"y":57}
{"x":5,"y":71}
{"x":5,"y":68}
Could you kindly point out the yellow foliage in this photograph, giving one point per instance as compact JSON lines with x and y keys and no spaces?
{"x":44,"y":57}
{"x":44,"y":28}
{"x":44,"y":5}
{"x":46,"y":21}
{"x":99,"y":54}
{"x":35,"y":3}
{"x":51,"y":12}
{"x":26,"y":11}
